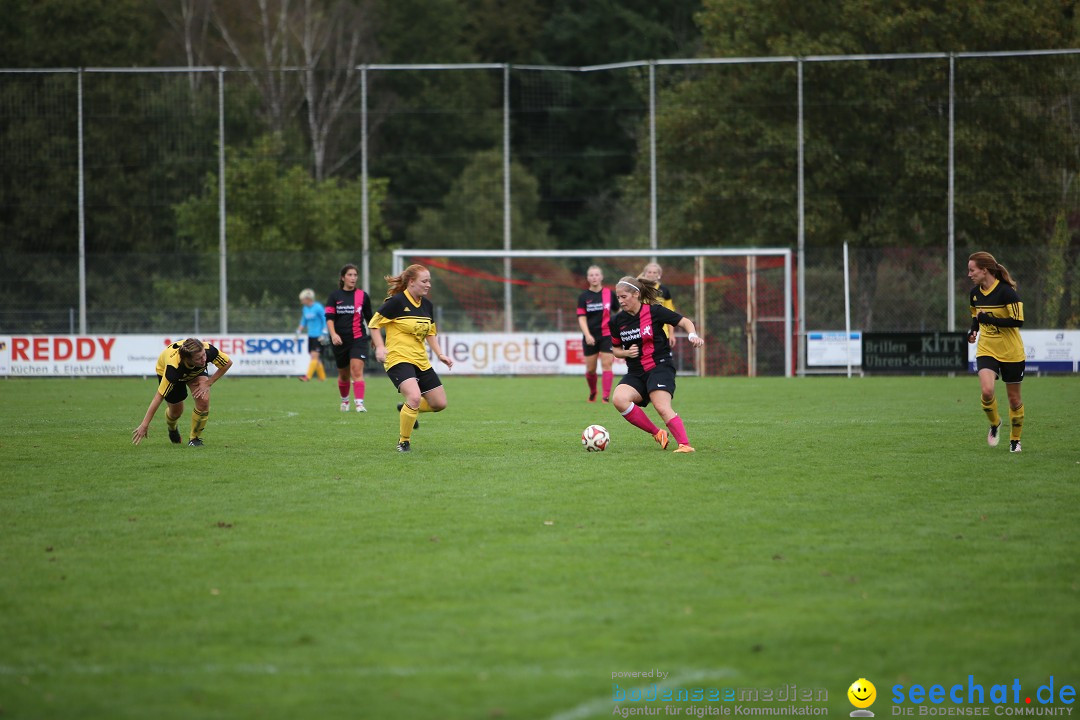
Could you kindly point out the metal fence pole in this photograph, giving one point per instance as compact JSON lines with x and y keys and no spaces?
{"x":82,"y":215}
{"x":951,"y":265}
{"x":801,"y":291}
{"x":652,"y":156}
{"x":365,"y":229}
{"x":223,"y":255}
{"x":508,"y":297}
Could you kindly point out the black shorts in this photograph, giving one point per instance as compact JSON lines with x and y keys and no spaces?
{"x":178,"y":394}
{"x":602,"y":345}
{"x":355,"y":349}
{"x":1010,"y":372}
{"x":427,"y":379}
{"x":661,"y":377}
{"x":313,"y":345}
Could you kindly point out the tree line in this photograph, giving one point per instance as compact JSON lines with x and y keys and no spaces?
{"x":875,"y":150}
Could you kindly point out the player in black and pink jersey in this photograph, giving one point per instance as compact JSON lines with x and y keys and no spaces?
{"x":637,"y":335}
{"x":348,"y":312}
{"x":594,"y":311}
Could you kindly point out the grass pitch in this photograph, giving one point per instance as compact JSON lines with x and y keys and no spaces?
{"x":827,"y":529}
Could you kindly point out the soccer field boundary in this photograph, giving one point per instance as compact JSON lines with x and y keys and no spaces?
{"x":298,"y":566}
{"x":603,"y":704}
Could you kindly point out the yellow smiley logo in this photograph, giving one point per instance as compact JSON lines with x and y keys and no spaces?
{"x":862,"y":693}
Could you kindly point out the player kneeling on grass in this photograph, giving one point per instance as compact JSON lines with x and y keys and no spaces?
{"x":182,"y":365}
{"x":637,"y":335}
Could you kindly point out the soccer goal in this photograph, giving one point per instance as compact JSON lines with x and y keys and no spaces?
{"x":739,"y":299}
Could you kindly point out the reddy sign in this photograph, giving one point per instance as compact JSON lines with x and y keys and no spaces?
{"x":101,"y":355}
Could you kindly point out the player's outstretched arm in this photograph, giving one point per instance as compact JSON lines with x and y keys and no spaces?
{"x":691,"y":333}
{"x":143,"y":430}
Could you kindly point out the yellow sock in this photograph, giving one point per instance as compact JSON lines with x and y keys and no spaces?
{"x":405,"y":422}
{"x":990,"y":408}
{"x":320,"y":371}
{"x":311,"y":367}
{"x":170,"y":420}
{"x":424,"y":407}
{"x":198,"y":422}
{"x":1016,"y":419}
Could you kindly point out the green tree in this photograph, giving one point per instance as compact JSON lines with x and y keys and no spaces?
{"x":471,"y":215}
{"x":578,"y":132}
{"x":276,"y":212}
{"x":62,"y":33}
{"x":876,"y":132}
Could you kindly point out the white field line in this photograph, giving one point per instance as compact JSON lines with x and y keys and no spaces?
{"x":603,"y":705}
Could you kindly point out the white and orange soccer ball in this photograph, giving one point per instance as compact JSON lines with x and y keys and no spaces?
{"x":595,"y":438}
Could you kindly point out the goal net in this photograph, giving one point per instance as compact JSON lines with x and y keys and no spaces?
{"x":740,"y":299}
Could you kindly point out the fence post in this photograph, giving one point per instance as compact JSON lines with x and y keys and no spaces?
{"x":223,"y":250}
{"x":508,"y":297}
{"x":82,"y":217}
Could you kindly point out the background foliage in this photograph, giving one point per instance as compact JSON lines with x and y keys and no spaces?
{"x":876,"y":135}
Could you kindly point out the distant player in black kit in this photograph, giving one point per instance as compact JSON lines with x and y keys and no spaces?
{"x":637,"y":334}
{"x":348,"y":312}
{"x":594,"y":310}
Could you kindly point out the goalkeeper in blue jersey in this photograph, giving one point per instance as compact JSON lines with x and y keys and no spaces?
{"x":313,"y":322}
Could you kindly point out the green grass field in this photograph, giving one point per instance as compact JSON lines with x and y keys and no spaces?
{"x":827,"y":529}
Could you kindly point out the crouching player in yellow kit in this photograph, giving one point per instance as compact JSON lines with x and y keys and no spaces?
{"x":996,"y":318}
{"x":182,"y":365}
{"x":409,"y":319}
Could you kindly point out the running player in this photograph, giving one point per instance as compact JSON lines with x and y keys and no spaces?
{"x":182,"y":366}
{"x":409,"y":319}
{"x":594,"y":308}
{"x":348,"y":310}
{"x":997,"y":314}
{"x":637,"y":334}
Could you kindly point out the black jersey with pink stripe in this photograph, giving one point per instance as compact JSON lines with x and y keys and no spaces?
{"x":350,"y":311}
{"x":596,"y":307}
{"x":646,"y":329}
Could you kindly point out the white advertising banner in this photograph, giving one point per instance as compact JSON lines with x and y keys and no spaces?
{"x":120,"y":355}
{"x":1047,"y":350}
{"x":830,"y":348}
{"x":136,"y":355}
{"x":516,"y":354}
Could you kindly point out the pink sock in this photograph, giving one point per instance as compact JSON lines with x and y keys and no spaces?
{"x":590,"y":377}
{"x":678,"y":431}
{"x":637,"y":417}
{"x":343,"y":388}
{"x":607,"y":378}
{"x":358,"y":389}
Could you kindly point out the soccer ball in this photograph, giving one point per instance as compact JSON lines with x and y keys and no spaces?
{"x":595,"y":438}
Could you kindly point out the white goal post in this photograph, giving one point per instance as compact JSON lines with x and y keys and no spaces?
{"x":694,"y":258}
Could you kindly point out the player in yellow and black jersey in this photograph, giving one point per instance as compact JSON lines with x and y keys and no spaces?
{"x":408,"y":318}
{"x":180,"y":366}
{"x":997,"y":314}
{"x":650,"y":275}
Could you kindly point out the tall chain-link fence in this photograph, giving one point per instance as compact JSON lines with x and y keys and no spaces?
{"x":197,"y":200}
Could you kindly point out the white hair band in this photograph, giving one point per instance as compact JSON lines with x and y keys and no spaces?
{"x":623,"y":282}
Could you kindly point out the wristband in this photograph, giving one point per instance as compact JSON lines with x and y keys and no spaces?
{"x":693,"y":336}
